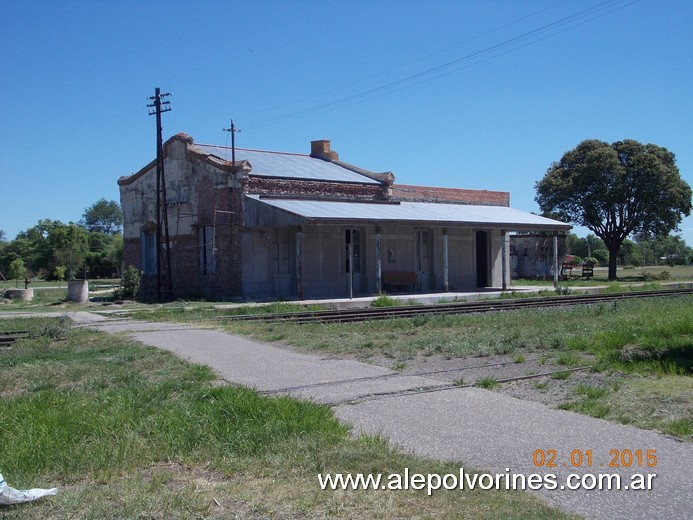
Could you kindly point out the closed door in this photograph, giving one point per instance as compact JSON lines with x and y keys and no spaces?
{"x":481,"y":259}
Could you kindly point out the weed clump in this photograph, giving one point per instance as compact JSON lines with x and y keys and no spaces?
{"x":385,"y":301}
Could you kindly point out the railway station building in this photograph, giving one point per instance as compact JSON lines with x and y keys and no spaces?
{"x":261,"y":225}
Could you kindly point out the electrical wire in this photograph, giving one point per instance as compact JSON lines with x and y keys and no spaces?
{"x":491,"y":52}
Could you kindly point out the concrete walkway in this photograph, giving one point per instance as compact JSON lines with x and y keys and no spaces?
{"x":485,"y":430}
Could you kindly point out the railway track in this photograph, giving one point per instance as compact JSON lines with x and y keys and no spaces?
{"x":9,"y":337}
{"x":384,"y":313}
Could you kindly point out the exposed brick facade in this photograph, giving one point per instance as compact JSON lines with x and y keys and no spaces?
{"x":450,"y":195}
{"x":318,"y":189}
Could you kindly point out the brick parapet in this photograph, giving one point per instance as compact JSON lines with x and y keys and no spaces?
{"x":450,"y":195}
{"x":271,"y":186}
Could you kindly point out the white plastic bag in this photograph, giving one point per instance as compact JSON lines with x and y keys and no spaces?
{"x":10,"y":495}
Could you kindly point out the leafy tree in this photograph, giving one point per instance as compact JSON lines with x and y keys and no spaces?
{"x":576,"y":246}
{"x":615,"y":190}
{"x":69,"y":245}
{"x":18,"y":248}
{"x":104,"y":216}
{"x":59,"y":273}
{"x":17,"y":270}
{"x":3,"y":236}
{"x":629,"y":254}
{"x":105,"y":255}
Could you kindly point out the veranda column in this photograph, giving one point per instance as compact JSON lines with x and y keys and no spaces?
{"x":378,"y":261}
{"x":299,"y":263}
{"x":555,"y":260}
{"x":446,"y":265}
{"x":504,"y":260}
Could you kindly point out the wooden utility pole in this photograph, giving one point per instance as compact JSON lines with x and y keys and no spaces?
{"x":233,"y":131}
{"x":162,"y":249}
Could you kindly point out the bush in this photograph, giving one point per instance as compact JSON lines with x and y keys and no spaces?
{"x":385,"y":301}
{"x":131,"y":285}
{"x":662,"y":275}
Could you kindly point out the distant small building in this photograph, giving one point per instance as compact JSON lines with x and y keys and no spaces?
{"x":285,"y":225}
{"x":532,"y":255}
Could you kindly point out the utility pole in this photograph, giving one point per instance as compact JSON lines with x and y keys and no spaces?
{"x":233,"y":131}
{"x":158,"y":107}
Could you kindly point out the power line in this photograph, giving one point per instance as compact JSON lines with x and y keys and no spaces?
{"x":510,"y":45}
{"x":404,"y":64}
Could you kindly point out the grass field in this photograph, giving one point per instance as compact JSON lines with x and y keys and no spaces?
{"x":101,"y":283}
{"x":626,"y":275}
{"x":126,"y":431}
{"x":648,"y":341}
{"x":644,"y":342}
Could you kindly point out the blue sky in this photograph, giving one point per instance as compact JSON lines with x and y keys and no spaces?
{"x":483,"y":94}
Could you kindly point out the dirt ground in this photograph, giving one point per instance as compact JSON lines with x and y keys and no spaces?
{"x":533,"y":378}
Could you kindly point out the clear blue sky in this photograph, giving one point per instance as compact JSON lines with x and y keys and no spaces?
{"x":472,"y":94}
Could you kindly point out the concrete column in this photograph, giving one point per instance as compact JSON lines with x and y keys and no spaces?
{"x":378,"y":261}
{"x":299,"y":264}
{"x":555,"y":260}
{"x":350,"y":256}
{"x":504,"y":260}
{"x":446,"y":265}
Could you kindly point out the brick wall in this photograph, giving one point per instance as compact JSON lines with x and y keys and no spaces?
{"x":271,"y":186}
{"x":450,"y":195}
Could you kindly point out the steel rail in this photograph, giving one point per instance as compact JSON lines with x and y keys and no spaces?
{"x":367,"y":314}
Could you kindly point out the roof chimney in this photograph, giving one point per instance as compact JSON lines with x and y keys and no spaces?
{"x":321,"y":150}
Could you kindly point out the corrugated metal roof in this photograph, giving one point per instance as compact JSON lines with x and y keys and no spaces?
{"x":428,"y":212}
{"x":286,"y":165}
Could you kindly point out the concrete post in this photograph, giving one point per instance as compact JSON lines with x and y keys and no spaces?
{"x":78,"y":291}
{"x":446,"y":265}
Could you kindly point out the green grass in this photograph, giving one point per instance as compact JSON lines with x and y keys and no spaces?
{"x":656,"y":402}
{"x":386,"y":301}
{"x":627,"y":275}
{"x":101,"y":283}
{"x":187,"y":311}
{"x":644,"y":339}
{"x":541,"y":385}
{"x":561,"y":376}
{"x":662,"y":328}
{"x":126,"y":431}
{"x":486,"y":382}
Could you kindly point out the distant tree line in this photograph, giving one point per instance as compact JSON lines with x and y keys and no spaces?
{"x":53,"y":250}
{"x":642,"y":250}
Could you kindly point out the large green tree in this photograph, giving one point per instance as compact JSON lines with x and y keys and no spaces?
{"x":616,"y":190}
{"x":104,"y":216}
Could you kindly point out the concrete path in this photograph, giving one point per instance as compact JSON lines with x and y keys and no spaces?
{"x":488,"y":431}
